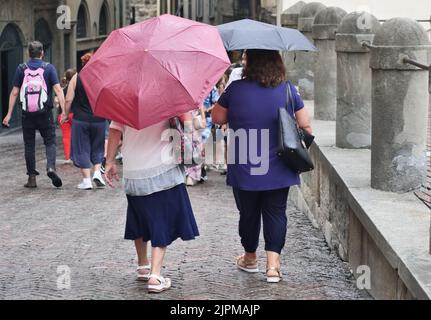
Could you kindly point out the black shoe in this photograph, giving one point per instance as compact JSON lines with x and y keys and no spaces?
{"x":204,"y":176}
{"x":56,"y":181}
{"x":31,"y":184}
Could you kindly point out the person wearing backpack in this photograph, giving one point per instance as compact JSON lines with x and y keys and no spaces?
{"x":34,"y":83}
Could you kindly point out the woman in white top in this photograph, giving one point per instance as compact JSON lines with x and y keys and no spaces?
{"x":159,"y":208}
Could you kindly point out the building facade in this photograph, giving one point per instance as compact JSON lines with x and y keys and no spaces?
{"x":199,"y":10}
{"x":70,"y":28}
{"x":207,"y":11}
{"x":47,"y":21}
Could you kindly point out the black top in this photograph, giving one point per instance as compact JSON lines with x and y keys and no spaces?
{"x":60,"y":110}
{"x":81,"y":107}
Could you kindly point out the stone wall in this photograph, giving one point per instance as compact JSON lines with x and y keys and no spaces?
{"x":384,"y":232}
{"x":362,"y":199}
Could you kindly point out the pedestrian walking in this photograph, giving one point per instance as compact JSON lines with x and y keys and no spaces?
{"x":237,"y":71}
{"x":208,"y":133}
{"x":141,"y":97}
{"x":221,"y":134}
{"x":88,"y":133}
{"x":248,"y":105}
{"x":159,"y":209}
{"x":66,"y":127}
{"x":194,"y":173}
{"x":34,"y":83}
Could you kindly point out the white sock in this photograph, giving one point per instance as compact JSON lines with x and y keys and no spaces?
{"x":87,"y":180}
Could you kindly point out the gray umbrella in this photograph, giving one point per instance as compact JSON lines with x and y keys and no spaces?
{"x":251,"y":34}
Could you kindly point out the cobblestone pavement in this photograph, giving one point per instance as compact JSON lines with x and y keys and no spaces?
{"x":43,"y":229}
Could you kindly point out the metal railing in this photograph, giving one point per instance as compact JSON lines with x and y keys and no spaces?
{"x":417,"y":20}
{"x":367,"y":44}
{"x":416,"y":63}
{"x":406,"y":60}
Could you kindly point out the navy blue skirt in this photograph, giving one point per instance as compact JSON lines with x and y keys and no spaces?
{"x":161,"y":218}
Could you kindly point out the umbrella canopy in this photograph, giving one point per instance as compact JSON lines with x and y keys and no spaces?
{"x":251,"y":34}
{"x":151,"y":71}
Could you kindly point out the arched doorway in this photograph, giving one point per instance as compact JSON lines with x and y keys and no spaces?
{"x":82,"y":30}
{"x":81,"y":24}
{"x":103,"y":20}
{"x":43,"y":34}
{"x":11,"y":55}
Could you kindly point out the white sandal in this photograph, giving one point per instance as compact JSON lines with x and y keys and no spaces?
{"x":144,"y":277}
{"x":165,"y":284}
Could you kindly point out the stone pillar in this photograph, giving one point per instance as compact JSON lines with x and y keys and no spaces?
{"x":193,"y":11}
{"x":289,"y":19}
{"x":290,"y":16}
{"x":186,"y":9}
{"x":304,"y":64}
{"x":206,"y":18}
{"x":73,"y":47}
{"x":400,"y":100}
{"x":324,"y":27}
{"x":353,"y":111}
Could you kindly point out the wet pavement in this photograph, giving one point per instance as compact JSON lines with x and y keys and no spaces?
{"x":50,"y":236}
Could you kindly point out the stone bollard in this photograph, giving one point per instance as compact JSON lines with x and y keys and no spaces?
{"x":289,"y":19}
{"x":324,"y":28}
{"x":290,"y":16}
{"x":399,"y":106}
{"x":304,"y":64}
{"x":353,"y":111}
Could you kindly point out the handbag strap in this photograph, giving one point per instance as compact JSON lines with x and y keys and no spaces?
{"x":290,"y":98}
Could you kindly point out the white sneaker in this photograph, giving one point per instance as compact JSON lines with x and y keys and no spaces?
{"x":85,"y":185}
{"x":65,"y":162}
{"x":98,"y":180}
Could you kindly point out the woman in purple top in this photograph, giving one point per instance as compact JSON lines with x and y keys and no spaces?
{"x":259,"y":178}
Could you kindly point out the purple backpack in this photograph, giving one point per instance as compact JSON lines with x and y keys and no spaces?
{"x":34,"y":91}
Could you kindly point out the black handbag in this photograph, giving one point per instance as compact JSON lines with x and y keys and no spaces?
{"x":293,"y":141}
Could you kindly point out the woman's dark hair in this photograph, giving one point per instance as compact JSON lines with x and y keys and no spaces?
{"x":68,"y":75}
{"x":265,"y":67}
